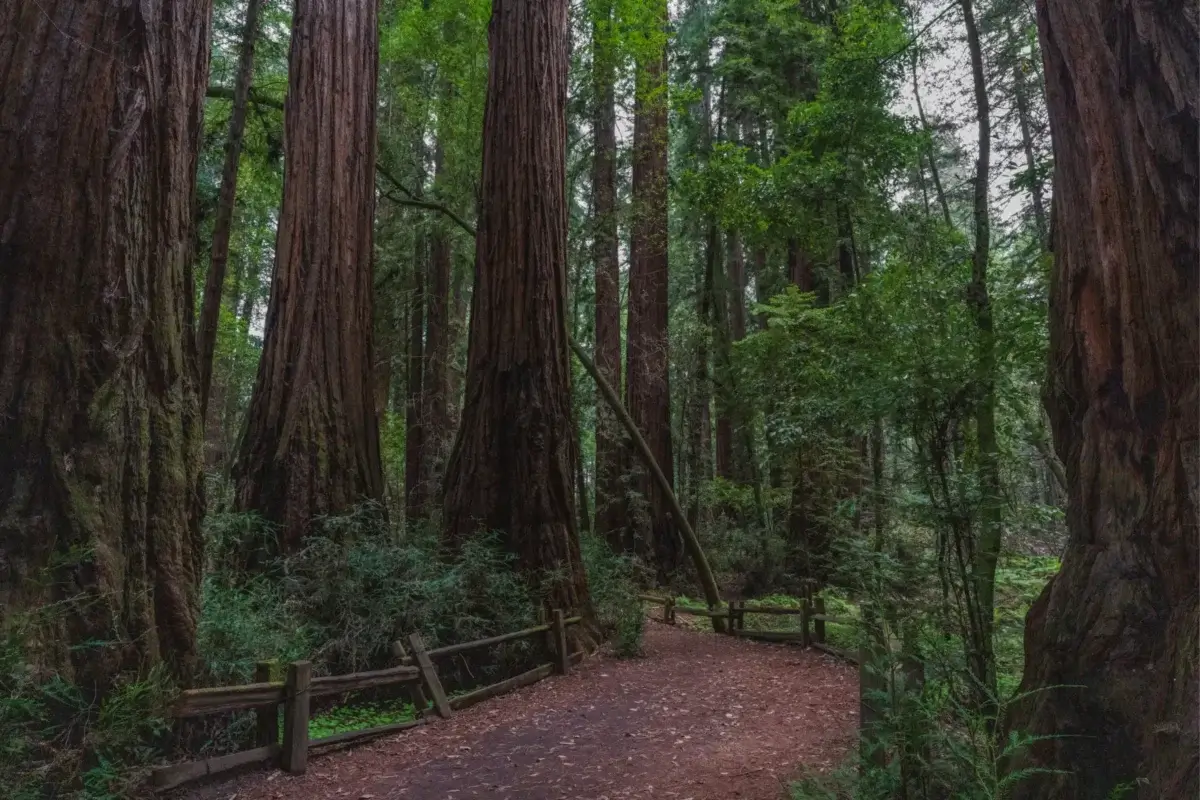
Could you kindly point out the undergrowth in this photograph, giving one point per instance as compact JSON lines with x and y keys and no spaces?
{"x":58,"y":740}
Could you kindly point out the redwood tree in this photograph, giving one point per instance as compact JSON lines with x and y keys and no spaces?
{"x":610,"y":510}
{"x":1111,"y":643}
{"x":100,"y":430}
{"x":312,"y":438}
{"x":511,"y":467}
{"x":647,"y":376}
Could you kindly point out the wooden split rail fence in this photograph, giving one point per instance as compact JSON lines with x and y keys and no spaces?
{"x":416,"y":670}
{"x":811,"y":631}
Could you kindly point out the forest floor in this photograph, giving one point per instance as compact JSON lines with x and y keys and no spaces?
{"x":700,"y":717}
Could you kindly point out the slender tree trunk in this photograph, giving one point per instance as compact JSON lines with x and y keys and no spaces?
{"x":1119,"y":621}
{"x":435,"y":386}
{"x":210,"y":311}
{"x":647,"y":375}
{"x":1025,"y":120}
{"x":726,"y":395}
{"x":745,"y":468}
{"x":415,"y":504}
{"x":312,"y":438}
{"x":101,"y":488}
{"x":929,"y":151}
{"x":987,"y":549}
{"x":511,"y":467}
{"x":698,"y":419}
{"x":610,"y":450}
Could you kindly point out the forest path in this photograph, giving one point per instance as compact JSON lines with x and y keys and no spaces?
{"x":701,"y":717}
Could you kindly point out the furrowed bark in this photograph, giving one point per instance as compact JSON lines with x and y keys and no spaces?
{"x":101,"y":487}
{"x":312,"y":438}
{"x":647,"y":375}
{"x":1120,"y":619}
{"x":610,"y":495}
{"x":511,"y":467}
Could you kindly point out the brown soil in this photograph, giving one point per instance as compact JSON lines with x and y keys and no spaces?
{"x":702,"y":717}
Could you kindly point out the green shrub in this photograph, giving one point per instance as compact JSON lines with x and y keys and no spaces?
{"x":613,"y":583}
{"x":58,"y":740}
{"x":357,"y":586}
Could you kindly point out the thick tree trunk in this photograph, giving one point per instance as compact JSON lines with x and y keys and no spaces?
{"x":647,"y":375}
{"x":510,"y":470}
{"x":100,"y":427}
{"x":312,"y":438}
{"x":980,"y":653}
{"x":210,"y":310}
{"x":610,"y":449}
{"x":1120,"y":619}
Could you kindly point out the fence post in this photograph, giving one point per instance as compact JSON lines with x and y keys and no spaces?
{"x":295,"y":718}
{"x":416,"y":694}
{"x":805,"y":638}
{"x":429,"y":674}
{"x":562,"y":655}
{"x":819,"y":624}
{"x":266,"y":723}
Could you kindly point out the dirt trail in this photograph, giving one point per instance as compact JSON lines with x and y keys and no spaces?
{"x":702,"y":717}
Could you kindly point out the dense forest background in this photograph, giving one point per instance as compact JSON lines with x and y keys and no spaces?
{"x":900,"y":296}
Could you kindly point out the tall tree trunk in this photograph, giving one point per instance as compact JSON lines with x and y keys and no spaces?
{"x":435,"y":386}
{"x":312,"y":438}
{"x":744,"y":467}
{"x":210,"y":310}
{"x":1120,"y":618}
{"x":929,"y":150}
{"x":698,"y":419}
{"x":808,"y":535}
{"x":726,"y":398}
{"x":647,"y":376}
{"x":1025,"y":121}
{"x":510,"y":470}
{"x":101,"y":488}
{"x":610,"y":494}
{"x":987,"y":549}
{"x":415,"y":504}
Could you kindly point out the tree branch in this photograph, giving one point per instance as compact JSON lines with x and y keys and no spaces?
{"x":224,"y":93}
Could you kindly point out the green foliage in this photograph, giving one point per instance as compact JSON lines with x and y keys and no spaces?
{"x":935,"y":748}
{"x":613,"y":582}
{"x":354,"y":589}
{"x":61,"y":740}
{"x":358,"y":717}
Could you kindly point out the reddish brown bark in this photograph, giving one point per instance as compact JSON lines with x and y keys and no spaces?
{"x":1120,"y":619}
{"x":312,"y":438}
{"x":610,"y":494}
{"x":214,"y":282}
{"x":100,"y":430}
{"x":511,"y":467}
{"x":647,"y":376}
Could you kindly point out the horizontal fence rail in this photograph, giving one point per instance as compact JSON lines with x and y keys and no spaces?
{"x":416,"y":671}
{"x":811,"y":612}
